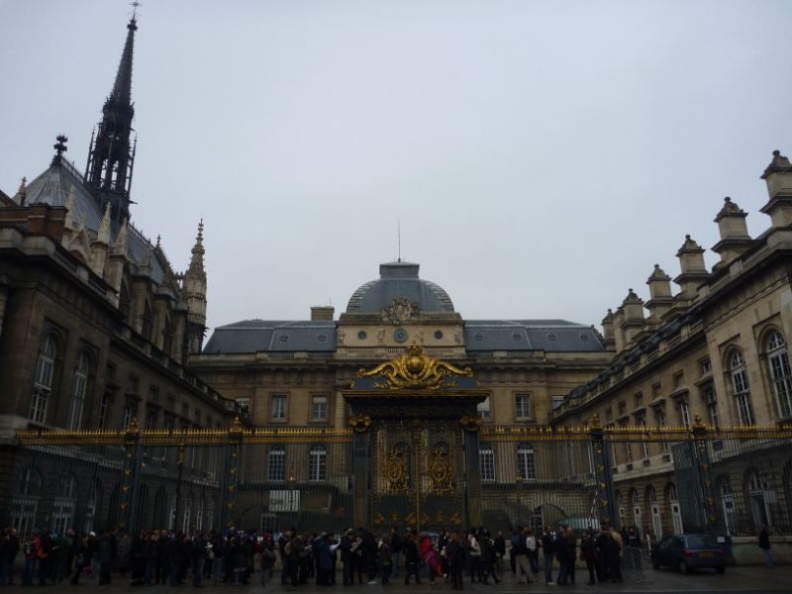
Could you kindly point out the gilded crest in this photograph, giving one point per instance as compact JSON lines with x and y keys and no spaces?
{"x":414,"y":369}
{"x":400,"y":311}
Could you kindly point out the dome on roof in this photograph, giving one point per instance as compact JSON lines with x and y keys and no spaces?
{"x":399,"y":280}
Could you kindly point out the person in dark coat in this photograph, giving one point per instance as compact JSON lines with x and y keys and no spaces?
{"x":455,"y":554}
{"x":613,"y":557}
{"x":347,"y":563}
{"x":267,"y":558}
{"x":588,"y":554}
{"x":81,"y":559}
{"x":412,"y":557}
{"x":106,"y":552}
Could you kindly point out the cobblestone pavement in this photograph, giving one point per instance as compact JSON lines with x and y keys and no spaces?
{"x":736,"y":579}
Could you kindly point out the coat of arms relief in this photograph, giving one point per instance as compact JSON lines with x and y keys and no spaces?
{"x":400,"y":311}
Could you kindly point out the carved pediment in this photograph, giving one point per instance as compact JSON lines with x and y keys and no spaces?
{"x":414,"y":369}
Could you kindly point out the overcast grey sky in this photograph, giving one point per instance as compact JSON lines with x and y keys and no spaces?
{"x":541,"y":157}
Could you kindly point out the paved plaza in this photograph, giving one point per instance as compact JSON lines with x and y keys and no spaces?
{"x":737,"y":579}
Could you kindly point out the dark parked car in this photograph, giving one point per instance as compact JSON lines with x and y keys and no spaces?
{"x":689,"y":551}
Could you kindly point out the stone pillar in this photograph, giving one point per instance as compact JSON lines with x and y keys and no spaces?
{"x":361,"y":456}
{"x":702,"y":459}
{"x":129,"y":480}
{"x":472,"y":473}
{"x":9,"y":445}
{"x":603,"y":497}
{"x":231,"y":475}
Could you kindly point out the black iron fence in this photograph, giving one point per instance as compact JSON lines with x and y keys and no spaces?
{"x":666,"y":480}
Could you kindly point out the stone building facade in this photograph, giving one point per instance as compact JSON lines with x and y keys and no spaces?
{"x":95,"y":330}
{"x":715,"y":351}
{"x":397,"y":411}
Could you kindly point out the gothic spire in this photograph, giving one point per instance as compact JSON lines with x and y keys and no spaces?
{"x":122,"y":89}
{"x":197,"y":260}
{"x":195,"y":289}
{"x":109,"y":171}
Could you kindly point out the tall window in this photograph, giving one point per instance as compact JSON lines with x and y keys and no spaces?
{"x":130,"y":412}
{"x":279,"y":407}
{"x":684,"y":414}
{"x":276,"y":464}
{"x":628,"y":453}
{"x":487,"y":463}
{"x":318,"y":408}
{"x":660,"y":417}
{"x":526,"y":464}
{"x":644,"y":442}
{"x":104,"y":407}
{"x":42,"y":383}
{"x":711,"y":401}
{"x":522,"y":407}
{"x":317,"y":463}
{"x":742,"y":395}
{"x":483,"y":409}
{"x":780,"y":374}
{"x":79,"y":390}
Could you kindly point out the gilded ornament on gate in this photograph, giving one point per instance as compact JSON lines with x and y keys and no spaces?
{"x":470,"y":424}
{"x":414,"y":369}
{"x":360,"y":424}
{"x":395,"y":470}
{"x":439,"y":467}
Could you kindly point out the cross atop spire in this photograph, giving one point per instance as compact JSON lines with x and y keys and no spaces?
{"x":60,"y":148}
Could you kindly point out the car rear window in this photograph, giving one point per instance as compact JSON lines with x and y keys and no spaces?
{"x":701,"y":541}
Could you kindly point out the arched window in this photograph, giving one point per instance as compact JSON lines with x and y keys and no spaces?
{"x":64,"y":503}
{"x":780,"y":373}
{"x":727,"y":505}
{"x":317,"y":463}
{"x":276,"y":464}
{"x":487,"y":463}
{"x":654,"y":509}
{"x":42,"y":383}
{"x":740,"y":390}
{"x":24,"y":504}
{"x":79,"y":391}
{"x":526,"y":464}
{"x":676,"y":510}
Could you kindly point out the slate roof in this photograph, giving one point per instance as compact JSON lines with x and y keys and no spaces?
{"x":54,"y":186}
{"x":530,"y":335}
{"x":254,"y":336}
{"x":481,"y":336}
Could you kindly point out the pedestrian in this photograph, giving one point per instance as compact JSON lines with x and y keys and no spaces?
{"x":267,"y":558}
{"x":632,"y":548}
{"x":520,"y":553}
{"x":412,"y":558}
{"x":764,"y":544}
{"x":455,"y":554}
{"x":385,"y":560}
{"x":588,"y":554}
{"x":548,"y":553}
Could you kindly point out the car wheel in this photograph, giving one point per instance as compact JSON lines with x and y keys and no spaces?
{"x":720,"y":570}
{"x":683,"y":567}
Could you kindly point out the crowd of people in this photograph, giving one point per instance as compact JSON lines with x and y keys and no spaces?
{"x":360,"y":556}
